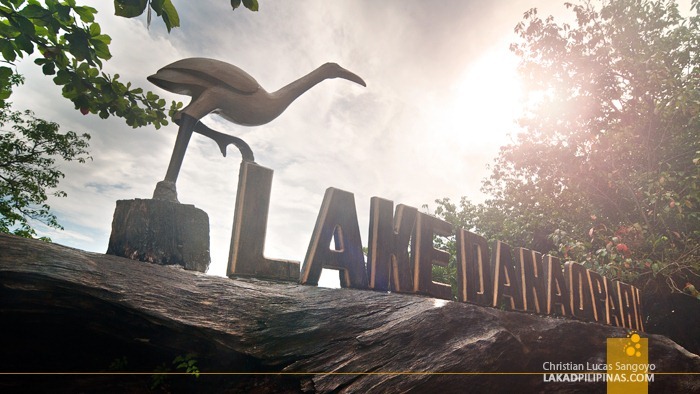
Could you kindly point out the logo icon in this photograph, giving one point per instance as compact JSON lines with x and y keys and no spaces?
{"x":628,"y":364}
{"x":633,"y":348}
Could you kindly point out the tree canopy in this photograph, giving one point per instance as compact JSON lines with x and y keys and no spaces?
{"x":72,"y":48}
{"x":164,"y":9}
{"x":63,"y":39}
{"x":29,"y":148}
{"x":606,"y":167}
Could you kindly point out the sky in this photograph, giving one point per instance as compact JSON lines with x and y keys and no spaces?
{"x":441,"y":98}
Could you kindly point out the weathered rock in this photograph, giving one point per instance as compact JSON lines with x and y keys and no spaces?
{"x":65,"y":310}
{"x":675,"y":315}
{"x":161,"y":232}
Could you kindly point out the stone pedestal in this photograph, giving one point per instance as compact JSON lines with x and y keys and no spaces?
{"x":161,"y":232}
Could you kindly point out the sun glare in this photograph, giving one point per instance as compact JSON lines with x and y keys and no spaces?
{"x":485,"y":102}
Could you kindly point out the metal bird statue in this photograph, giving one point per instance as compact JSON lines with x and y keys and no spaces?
{"x":224,"y":89}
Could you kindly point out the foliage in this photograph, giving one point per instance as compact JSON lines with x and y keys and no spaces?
{"x":185,"y":364}
{"x":606,"y":170}
{"x":160,"y":376}
{"x":29,"y":147}
{"x":447,"y":274}
{"x":72,"y":48}
{"x":249,"y":4}
{"x":164,"y":9}
{"x":119,"y":364}
{"x":68,"y":45}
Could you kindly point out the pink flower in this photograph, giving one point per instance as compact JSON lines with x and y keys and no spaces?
{"x":622,"y":248}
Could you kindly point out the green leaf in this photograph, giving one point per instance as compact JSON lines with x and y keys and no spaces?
{"x":63,"y":13}
{"x":101,"y":49}
{"x":95,"y":30}
{"x":24,"y":25}
{"x":5,"y":73}
{"x":157,"y":6}
{"x":87,"y":14}
{"x":7,"y":30}
{"x":48,"y":69}
{"x":129,"y":8}
{"x":23,"y":43}
{"x":34,"y":11}
{"x":103,"y":38}
{"x":169,"y":14}
{"x":62,"y":77}
{"x":235,"y":4}
{"x":7,"y":50}
{"x":78,"y":45}
{"x":251,"y":4}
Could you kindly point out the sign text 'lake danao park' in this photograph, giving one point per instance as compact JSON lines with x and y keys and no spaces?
{"x":401,"y":254}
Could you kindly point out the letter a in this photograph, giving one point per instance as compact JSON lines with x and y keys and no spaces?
{"x":336,"y":221}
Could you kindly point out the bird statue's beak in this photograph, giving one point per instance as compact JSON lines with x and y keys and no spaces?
{"x":345,"y":74}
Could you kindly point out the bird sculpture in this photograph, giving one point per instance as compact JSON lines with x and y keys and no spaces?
{"x":222,"y":88}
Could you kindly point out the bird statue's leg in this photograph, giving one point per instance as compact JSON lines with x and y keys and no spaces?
{"x":224,"y":139}
{"x":183,"y":138}
{"x":165,"y":189}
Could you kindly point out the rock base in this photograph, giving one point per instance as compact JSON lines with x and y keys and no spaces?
{"x":161,"y":232}
{"x":89,"y":315}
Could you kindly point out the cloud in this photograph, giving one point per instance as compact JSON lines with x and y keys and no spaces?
{"x":396,"y":138}
{"x":103,"y":187}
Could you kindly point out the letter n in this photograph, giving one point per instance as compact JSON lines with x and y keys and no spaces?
{"x":531,"y":277}
{"x":337,"y":221}
{"x":557,"y":295}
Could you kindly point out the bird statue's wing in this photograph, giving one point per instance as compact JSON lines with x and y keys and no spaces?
{"x":213,"y":72}
{"x":180,"y":82}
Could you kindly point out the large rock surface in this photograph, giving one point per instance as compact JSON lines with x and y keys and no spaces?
{"x":65,"y":310}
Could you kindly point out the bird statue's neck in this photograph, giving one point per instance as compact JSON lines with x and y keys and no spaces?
{"x":291,"y":92}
